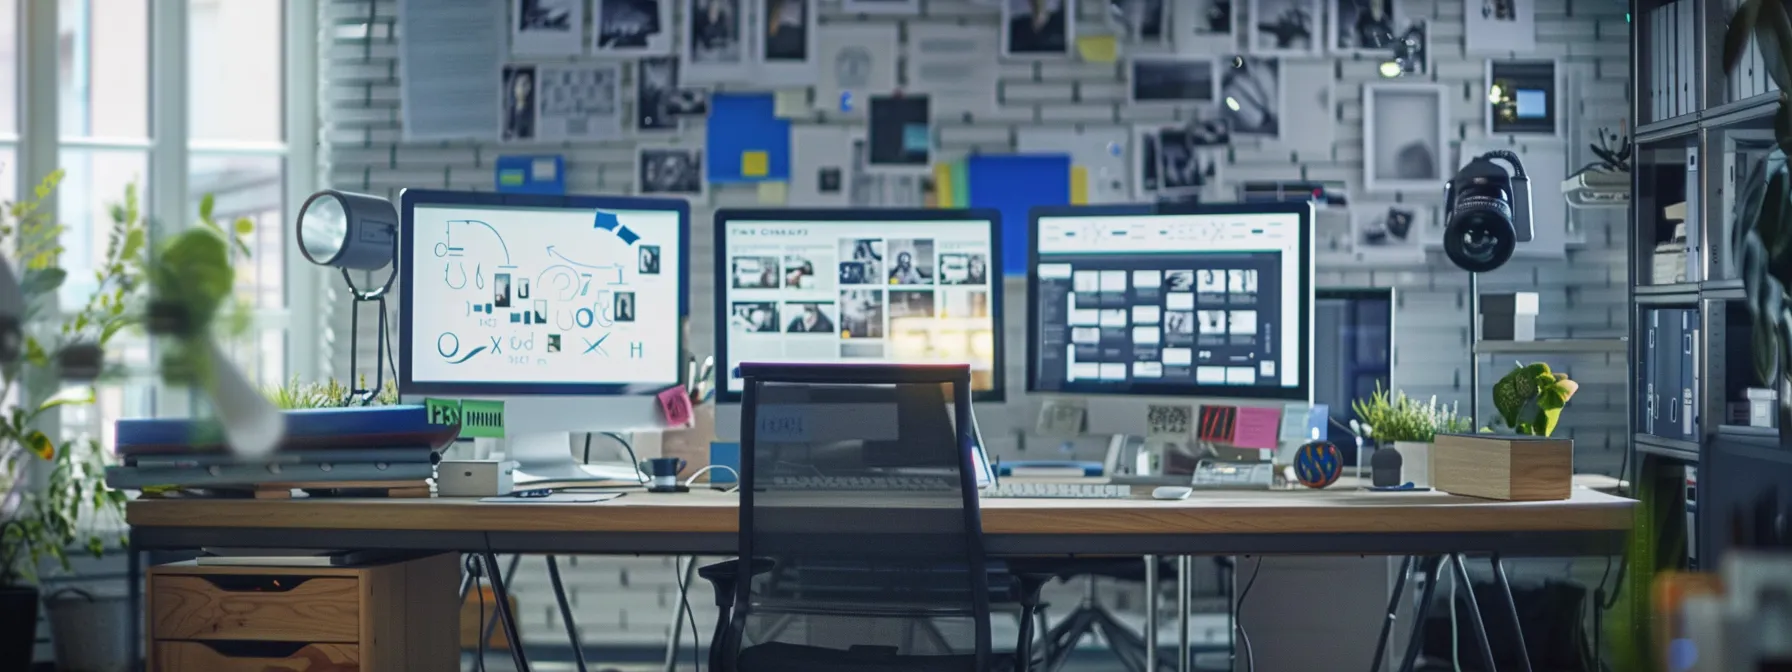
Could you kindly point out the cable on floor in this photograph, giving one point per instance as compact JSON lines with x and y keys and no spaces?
{"x":1250,"y":657}
{"x":473,"y":565}
{"x":684,"y":594}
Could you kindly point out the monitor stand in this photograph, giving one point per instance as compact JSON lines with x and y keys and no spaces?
{"x":544,"y":460}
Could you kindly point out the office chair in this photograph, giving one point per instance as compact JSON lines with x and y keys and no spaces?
{"x":858,"y":520}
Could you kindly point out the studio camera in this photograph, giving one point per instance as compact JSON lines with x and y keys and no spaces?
{"x":1487,"y":212}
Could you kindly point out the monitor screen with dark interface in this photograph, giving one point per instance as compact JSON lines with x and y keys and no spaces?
{"x":1210,"y":300}
{"x":1355,"y":357}
{"x":865,"y":286}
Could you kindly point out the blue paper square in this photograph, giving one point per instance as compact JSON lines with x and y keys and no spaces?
{"x":1014,"y":184}
{"x":741,"y":123}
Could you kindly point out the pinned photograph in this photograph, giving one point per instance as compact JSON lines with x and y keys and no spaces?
{"x":519,"y":103}
{"x":1203,"y":26}
{"x":1499,"y":26}
{"x":1404,"y":136}
{"x":1037,"y":28}
{"x":862,"y":313}
{"x":650,"y":260}
{"x":715,"y":44}
{"x":789,"y":31}
{"x":901,"y":135}
{"x":1362,"y":27}
{"x":911,"y":262}
{"x":753,"y":317}
{"x":578,"y":101}
{"x":632,"y":28}
{"x":861,"y":261}
{"x":809,"y":317}
{"x":656,"y":84}
{"x":1523,"y":96}
{"x":754,"y":272}
{"x":1394,"y":232}
{"x":670,"y":171}
{"x":1142,"y":21}
{"x":547,"y":27}
{"x":1171,"y":79}
{"x":690,"y":101}
{"x":1187,"y":169}
{"x":1284,"y":28}
{"x":1251,"y":96}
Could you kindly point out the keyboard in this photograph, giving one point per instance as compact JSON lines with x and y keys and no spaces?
{"x":862,"y":483}
{"x":1058,"y":491}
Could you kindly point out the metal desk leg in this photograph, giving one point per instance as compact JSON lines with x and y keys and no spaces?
{"x":1151,"y":586}
{"x":1505,"y":591}
{"x":502,"y":596}
{"x":1474,"y":610}
{"x":1387,"y":626}
{"x":572,"y":629}
{"x":1434,"y":568}
{"x":1184,"y":598}
{"x":509,"y":575}
{"x":689,"y":572}
{"x":135,"y":588}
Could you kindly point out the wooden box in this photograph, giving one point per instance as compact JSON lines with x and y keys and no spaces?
{"x":1494,"y":466}
{"x":395,"y":616}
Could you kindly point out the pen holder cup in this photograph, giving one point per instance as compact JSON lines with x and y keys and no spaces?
{"x":691,"y":444}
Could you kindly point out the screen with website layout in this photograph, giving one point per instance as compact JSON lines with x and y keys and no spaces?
{"x":1164,"y":304}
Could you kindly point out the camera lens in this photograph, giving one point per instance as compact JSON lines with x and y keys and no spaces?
{"x":1479,"y":236}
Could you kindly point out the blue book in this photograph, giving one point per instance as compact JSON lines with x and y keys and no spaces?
{"x":218,"y":476}
{"x":316,"y":456}
{"x":310,"y":429}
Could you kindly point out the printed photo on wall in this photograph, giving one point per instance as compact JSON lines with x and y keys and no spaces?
{"x":672,"y":171}
{"x":1171,"y":79}
{"x":1203,"y":26}
{"x":1139,"y":21}
{"x":519,"y":103}
{"x":1284,"y":28}
{"x":1251,"y":96}
{"x":1362,"y":27}
{"x":547,"y":27}
{"x":715,"y":41}
{"x":578,"y":101}
{"x":1404,"y":136}
{"x":656,"y":83}
{"x":901,"y":135}
{"x":689,"y":101}
{"x":1037,"y":28}
{"x":1186,"y":170}
{"x":632,"y":28}
{"x":1390,"y":232}
{"x":1522,"y":97}
{"x":788,"y":35}
{"x":1499,"y":26}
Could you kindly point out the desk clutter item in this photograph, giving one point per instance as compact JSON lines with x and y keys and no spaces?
{"x":1509,"y":317}
{"x":1318,"y":464}
{"x":396,"y":616}
{"x":389,"y":451}
{"x":1385,"y":468}
{"x":475,"y":478}
{"x":1234,"y":476}
{"x":1512,"y":468}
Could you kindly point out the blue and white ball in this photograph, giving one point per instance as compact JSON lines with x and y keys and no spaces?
{"x":1318,"y":464}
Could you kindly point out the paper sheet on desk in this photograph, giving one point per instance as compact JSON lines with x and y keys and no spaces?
{"x":556,"y":498}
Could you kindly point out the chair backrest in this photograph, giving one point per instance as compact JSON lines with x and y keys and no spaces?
{"x":857,"y":484}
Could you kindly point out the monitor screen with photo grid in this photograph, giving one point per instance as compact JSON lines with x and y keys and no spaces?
{"x":1204,"y":300}
{"x":865,"y":285}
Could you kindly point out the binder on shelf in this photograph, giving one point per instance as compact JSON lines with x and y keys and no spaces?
{"x":1688,"y":383}
{"x":1733,"y":78}
{"x":1646,"y":368}
{"x":1753,"y":75}
{"x":1665,"y":66}
{"x":1656,"y":72}
{"x":1664,"y":377}
{"x":1694,"y":239}
{"x":1688,"y":41}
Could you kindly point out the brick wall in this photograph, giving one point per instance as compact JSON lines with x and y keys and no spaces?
{"x":1583,"y":293}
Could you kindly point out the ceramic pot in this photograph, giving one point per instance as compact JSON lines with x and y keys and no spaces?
{"x":90,"y":634}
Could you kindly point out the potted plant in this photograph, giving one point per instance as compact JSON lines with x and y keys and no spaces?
{"x":296,"y":395}
{"x":1530,"y":400}
{"x":1408,"y":426}
{"x":51,"y":494}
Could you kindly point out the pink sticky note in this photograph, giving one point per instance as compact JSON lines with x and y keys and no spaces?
{"x":675,"y":404}
{"x":1257,"y":428}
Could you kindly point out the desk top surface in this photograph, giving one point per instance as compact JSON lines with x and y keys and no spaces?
{"x":1213,"y":512}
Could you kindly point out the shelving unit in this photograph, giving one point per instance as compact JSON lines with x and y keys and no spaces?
{"x":1553,"y":346}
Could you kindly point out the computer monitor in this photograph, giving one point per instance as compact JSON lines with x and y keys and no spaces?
{"x":570,"y":309}
{"x":865,"y":285}
{"x":1360,"y":358}
{"x":1209,"y":301}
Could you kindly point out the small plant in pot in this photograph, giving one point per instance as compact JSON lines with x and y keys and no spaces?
{"x":1530,"y":400}
{"x":53,"y":497}
{"x":1408,"y":426}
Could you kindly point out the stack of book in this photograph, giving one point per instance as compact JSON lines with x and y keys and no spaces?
{"x":393,"y":448}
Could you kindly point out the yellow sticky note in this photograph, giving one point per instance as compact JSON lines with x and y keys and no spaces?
{"x":774,"y":193}
{"x":755,"y":163}
{"x":1098,"y":48}
{"x":1079,"y":185}
{"x":942,"y":186}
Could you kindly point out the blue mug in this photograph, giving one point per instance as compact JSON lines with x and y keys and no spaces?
{"x":662,"y":472}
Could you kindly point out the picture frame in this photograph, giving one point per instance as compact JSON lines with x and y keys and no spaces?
{"x":1252,"y":91}
{"x":1204,"y":27}
{"x":717,"y":51}
{"x":1024,"y":38}
{"x":1516,"y":110}
{"x":651,"y":180}
{"x":1386,"y":231}
{"x":1405,"y":136}
{"x":1174,"y":80}
{"x":783,"y":59}
{"x":612,"y":42}
{"x":1346,"y":28}
{"x":1139,"y":22}
{"x":1285,"y":28}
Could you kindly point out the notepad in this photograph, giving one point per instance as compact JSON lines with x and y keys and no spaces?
{"x":556,"y":498}
{"x":1257,"y":428}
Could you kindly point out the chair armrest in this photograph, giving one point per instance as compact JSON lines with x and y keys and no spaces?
{"x":725,"y":575}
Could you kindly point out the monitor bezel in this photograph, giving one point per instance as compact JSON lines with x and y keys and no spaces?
{"x":725,"y":216}
{"x":410,"y":199}
{"x":1304,"y":210}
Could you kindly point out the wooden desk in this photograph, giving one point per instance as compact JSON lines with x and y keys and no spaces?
{"x":705,"y":523}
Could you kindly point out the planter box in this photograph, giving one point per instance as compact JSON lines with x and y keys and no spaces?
{"x":1513,"y":468}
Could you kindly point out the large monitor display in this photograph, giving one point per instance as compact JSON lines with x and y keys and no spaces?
{"x":865,"y":285}
{"x":511,"y":294}
{"x":1209,"y":300}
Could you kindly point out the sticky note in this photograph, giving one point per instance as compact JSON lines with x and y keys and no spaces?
{"x":1218,"y":423}
{"x":1098,"y":48}
{"x":675,"y":406}
{"x":1257,"y":428}
{"x":481,"y":419}
{"x":512,"y":178}
{"x":1079,"y":185}
{"x":754,"y":163}
{"x":545,"y":169}
{"x":442,"y":411}
{"x":790,"y":103}
{"x":774,"y":193}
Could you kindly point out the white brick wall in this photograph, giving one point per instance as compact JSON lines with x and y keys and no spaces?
{"x":1583,"y":294}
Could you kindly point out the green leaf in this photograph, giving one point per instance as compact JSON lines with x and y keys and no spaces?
{"x":42,"y":281}
{"x":133,"y":244}
{"x":69,"y":396}
{"x":40,"y":445}
{"x":206,"y":204}
{"x":244,"y":226}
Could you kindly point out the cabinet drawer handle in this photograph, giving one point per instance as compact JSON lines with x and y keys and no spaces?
{"x":256,"y":583}
{"x":254,"y":649}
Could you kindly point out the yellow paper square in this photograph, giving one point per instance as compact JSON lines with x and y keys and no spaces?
{"x":755,"y":163}
{"x":1079,"y":185}
{"x":1098,"y":48}
{"x":774,"y":193}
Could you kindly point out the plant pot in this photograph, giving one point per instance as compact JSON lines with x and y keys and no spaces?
{"x":18,"y":626}
{"x":1415,"y":462}
{"x":90,"y":634}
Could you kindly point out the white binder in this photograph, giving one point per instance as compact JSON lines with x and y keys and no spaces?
{"x":1689,"y":52}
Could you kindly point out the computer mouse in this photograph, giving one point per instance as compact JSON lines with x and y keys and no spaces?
{"x":1171,"y":492}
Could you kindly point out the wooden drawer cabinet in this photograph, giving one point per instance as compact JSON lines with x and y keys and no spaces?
{"x":396,"y":616}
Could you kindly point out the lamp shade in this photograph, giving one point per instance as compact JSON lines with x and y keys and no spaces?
{"x":348,"y":230}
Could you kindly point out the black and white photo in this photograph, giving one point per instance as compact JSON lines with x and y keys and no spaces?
{"x":753,"y":272}
{"x":649,"y":260}
{"x":753,"y":317}
{"x":862,"y":313}
{"x":861,"y":261}
{"x":547,"y":27}
{"x":911,"y":262}
{"x":656,"y":84}
{"x":1284,"y":28}
{"x":689,"y":101}
{"x":787,"y":43}
{"x":1145,"y":161}
{"x":1251,"y":96}
{"x":1390,"y":232}
{"x":1523,"y":97}
{"x":715,"y":41}
{"x":901,"y":135}
{"x":1362,"y":27}
{"x":1203,"y":26}
{"x":672,"y":171}
{"x":809,"y":317}
{"x":1141,"y":21}
{"x":1185,"y":169}
{"x":1499,"y":26}
{"x":1404,"y":136}
{"x":519,"y":103}
{"x":578,"y":101}
{"x":623,"y":309}
{"x":958,"y":268}
{"x":1037,"y":28}
{"x":1171,"y":79}
{"x":632,"y":27}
